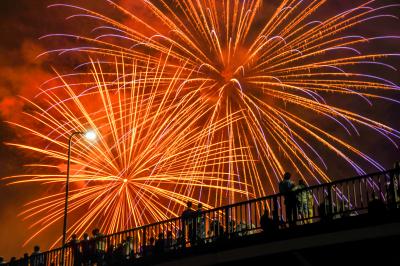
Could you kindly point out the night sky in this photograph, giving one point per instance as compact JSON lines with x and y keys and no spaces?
{"x":22,"y":22}
{"x":21,"y":73}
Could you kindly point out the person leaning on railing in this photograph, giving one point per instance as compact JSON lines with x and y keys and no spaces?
{"x":86,"y":250}
{"x":98,"y":246}
{"x":188,"y":224}
{"x":286,"y":187}
{"x":304,"y":201}
{"x":25,"y":259}
{"x":76,"y":253}
{"x":37,"y":258}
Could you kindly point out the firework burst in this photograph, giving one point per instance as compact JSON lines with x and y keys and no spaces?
{"x":143,"y":168}
{"x":263,"y":84}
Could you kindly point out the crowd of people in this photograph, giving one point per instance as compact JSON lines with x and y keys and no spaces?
{"x":98,"y":250}
{"x":193,"y":231}
{"x":35,"y":259}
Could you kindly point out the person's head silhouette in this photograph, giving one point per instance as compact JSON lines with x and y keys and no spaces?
{"x":74,"y":237}
{"x":189,"y":204}
{"x":287,"y":176}
{"x":36,"y":249}
{"x":95,"y":232}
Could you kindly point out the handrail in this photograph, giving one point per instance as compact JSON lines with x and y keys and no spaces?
{"x":344,"y":197}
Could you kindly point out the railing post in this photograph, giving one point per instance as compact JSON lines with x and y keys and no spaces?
{"x":392,"y":191}
{"x":275,"y":210}
{"x":62,"y":262}
{"x":396,"y":180}
{"x":227,"y":233}
{"x":329,"y":212}
{"x":143,"y":247}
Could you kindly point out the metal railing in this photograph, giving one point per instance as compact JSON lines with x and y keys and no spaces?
{"x":342,"y":198}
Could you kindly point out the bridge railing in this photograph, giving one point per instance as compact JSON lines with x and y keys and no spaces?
{"x":324,"y":202}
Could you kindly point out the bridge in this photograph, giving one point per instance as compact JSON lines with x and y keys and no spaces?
{"x":333,"y":217}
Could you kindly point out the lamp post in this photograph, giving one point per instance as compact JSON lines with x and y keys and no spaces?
{"x":89,"y":135}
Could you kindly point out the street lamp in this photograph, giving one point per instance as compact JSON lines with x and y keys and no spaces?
{"x":91,"y":136}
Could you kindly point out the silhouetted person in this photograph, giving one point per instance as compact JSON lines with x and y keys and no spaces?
{"x":188,"y":217}
{"x":169,"y":241}
{"x":13,"y":261}
{"x":109,"y":258}
{"x":76,"y":253}
{"x":25,"y":259}
{"x":37,"y":258}
{"x":376,"y":208}
{"x":268,"y":225}
{"x":98,"y":246}
{"x":304,"y":201}
{"x":286,"y":187}
{"x":86,"y":250}
{"x":128,"y":248}
{"x":2,"y":261}
{"x":159,"y":245}
{"x":201,"y":224}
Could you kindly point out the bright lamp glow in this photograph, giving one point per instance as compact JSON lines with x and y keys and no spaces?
{"x":90,"y":135}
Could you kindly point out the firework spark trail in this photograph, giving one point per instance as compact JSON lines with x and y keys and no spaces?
{"x":146,"y":158}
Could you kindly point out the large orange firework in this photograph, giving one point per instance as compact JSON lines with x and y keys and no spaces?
{"x":263,"y":85}
{"x":146,"y":163}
